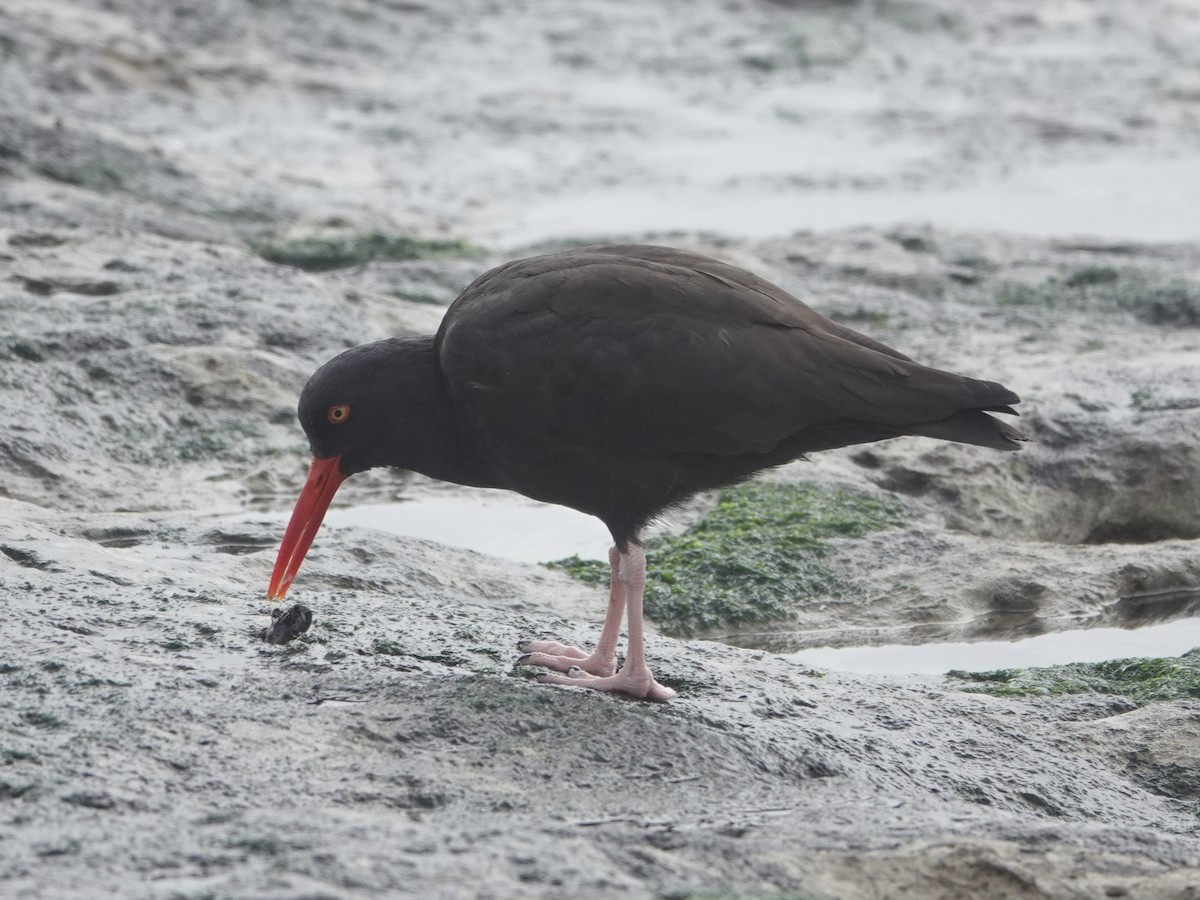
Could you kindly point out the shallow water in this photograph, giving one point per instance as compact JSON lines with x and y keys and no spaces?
{"x":1077,"y":645}
{"x":498,"y":524}
{"x":1113,"y":199}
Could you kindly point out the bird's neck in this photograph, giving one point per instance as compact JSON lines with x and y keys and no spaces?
{"x":429,"y":439}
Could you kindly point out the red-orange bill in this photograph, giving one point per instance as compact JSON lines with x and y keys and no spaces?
{"x":323,"y":479}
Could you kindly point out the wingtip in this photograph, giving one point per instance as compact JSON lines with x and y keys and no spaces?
{"x":1014,"y":437}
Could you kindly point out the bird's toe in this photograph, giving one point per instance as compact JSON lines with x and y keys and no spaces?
{"x":640,"y":685}
{"x":591,"y":665}
{"x":556,"y":678}
{"x":552,"y":648}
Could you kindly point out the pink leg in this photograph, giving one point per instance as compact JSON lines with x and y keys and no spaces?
{"x":635,"y":677}
{"x":602,"y":660}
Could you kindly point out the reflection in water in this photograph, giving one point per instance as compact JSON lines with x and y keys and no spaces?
{"x":1080,"y":645}
{"x":1004,"y":627}
{"x":934,"y":649}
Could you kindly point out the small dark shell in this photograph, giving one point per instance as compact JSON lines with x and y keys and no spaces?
{"x":287,"y":625}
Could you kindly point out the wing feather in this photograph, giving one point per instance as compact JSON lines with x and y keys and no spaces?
{"x":671,"y":352}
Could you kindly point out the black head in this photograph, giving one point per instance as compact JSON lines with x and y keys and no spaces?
{"x":354,"y":406}
{"x":370,"y":406}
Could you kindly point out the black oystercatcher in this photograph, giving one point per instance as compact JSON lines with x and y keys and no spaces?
{"x":618,"y":380}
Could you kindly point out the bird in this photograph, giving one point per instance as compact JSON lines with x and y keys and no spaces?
{"x":620,"y":381}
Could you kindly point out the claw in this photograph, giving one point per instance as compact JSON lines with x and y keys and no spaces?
{"x":601,"y":670}
{"x":635,"y":684}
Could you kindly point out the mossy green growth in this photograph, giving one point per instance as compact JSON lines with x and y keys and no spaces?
{"x":191,"y":441}
{"x":752,"y":559}
{"x":1141,"y":680}
{"x":1152,"y":297}
{"x":322,"y":254}
{"x":1148,"y":399}
{"x":388,"y":647}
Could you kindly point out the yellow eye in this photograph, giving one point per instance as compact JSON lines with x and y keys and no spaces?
{"x":338,"y":413}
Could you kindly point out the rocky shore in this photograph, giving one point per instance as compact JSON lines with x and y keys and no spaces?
{"x":198,"y":205}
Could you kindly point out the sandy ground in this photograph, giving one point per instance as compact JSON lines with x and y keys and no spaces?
{"x":974,"y":184}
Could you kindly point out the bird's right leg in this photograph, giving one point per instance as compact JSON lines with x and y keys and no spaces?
{"x":602,"y":660}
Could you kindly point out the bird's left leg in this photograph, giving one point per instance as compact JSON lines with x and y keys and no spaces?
{"x":602,"y":660}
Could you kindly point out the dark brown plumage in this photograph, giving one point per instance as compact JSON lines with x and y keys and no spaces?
{"x":619,"y":380}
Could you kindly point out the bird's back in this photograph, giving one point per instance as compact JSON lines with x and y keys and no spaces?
{"x":648,"y":363}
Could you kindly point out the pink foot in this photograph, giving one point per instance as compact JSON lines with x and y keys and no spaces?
{"x":564,"y":657}
{"x":640,"y":684}
{"x":598,"y":670}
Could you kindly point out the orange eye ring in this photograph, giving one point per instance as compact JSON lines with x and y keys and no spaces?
{"x":338,"y":413}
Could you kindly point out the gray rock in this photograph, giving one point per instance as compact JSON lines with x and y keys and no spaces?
{"x":151,"y":745}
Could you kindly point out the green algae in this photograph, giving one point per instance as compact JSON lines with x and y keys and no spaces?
{"x":1152,"y":297}
{"x":323,"y":254}
{"x":754,"y":558}
{"x":1140,"y":680}
{"x":388,"y":647}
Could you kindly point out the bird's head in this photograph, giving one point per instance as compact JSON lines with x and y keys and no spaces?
{"x":346,"y":414}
